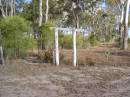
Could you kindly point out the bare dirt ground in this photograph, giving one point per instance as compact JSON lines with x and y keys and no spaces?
{"x":109,"y":77}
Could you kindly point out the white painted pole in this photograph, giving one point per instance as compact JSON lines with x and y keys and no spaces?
{"x":2,"y":57}
{"x":74,"y":47}
{"x":56,"y":47}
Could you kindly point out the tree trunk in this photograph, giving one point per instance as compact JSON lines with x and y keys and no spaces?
{"x":2,"y":9}
{"x":6,"y":9}
{"x":125,"y":34}
{"x":11,"y":7}
{"x":40,"y":12}
{"x":121,"y":27}
{"x":77,"y":21}
{"x":14,"y":7}
{"x":47,"y":10}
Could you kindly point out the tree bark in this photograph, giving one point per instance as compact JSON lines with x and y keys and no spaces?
{"x":2,"y":9}
{"x":11,"y":7}
{"x":125,"y":34}
{"x":14,"y":7}
{"x":47,"y":10}
{"x":40,"y":12}
{"x":121,"y":27}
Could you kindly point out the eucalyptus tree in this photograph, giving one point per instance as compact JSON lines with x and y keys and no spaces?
{"x":123,"y":7}
{"x":7,"y":7}
{"x":40,"y":12}
{"x":47,"y":10}
{"x":125,"y":34}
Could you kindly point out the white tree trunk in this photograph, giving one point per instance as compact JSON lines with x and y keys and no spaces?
{"x":6,"y":9}
{"x":56,"y":48}
{"x":121,"y":27}
{"x":40,"y":12}
{"x":2,"y":9}
{"x":47,"y":10}
{"x":11,"y":7}
{"x":74,"y":47}
{"x":14,"y":8}
{"x":126,"y":17}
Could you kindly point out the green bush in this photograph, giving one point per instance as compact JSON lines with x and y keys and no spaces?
{"x":15,"y":37}
{"x":92,"y":39}
{"x":65,"y":41}
{"x":46,"y":36}
{"x":117,"y":42}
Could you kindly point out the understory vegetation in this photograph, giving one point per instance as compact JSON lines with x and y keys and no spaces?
{"x":15,"y":36}
{"x":27,"y":26}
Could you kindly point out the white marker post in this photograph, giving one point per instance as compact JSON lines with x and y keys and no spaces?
{"x":2,"y":56}
{"x":74,"y":47}
{"x":56,"y":47}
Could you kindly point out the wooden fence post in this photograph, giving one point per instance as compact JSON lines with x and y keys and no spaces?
{"x":56,"y":47}
{"x":74,"y":47}
{"x":2,"y":56}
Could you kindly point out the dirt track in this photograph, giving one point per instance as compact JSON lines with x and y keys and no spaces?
{"x":44,"y":80}
{"x":49,"y":81}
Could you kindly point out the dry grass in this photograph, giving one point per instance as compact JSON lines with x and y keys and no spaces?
{"x":95,"y":76}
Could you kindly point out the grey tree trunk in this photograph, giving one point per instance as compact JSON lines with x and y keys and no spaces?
{"x":125,"y":34}
{"x":11,"y":7}
{"x":14,"y":7}
{"x":2,"y":9}
{"x":6,"y":9}
{"x":47,"y":10}
{"x":121,"y":27}
{"x":40,"y":12}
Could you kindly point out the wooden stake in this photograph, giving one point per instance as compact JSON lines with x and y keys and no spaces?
{"x":2,"y":57}
{"x":56,"y":48}
{"x":74,"y":47}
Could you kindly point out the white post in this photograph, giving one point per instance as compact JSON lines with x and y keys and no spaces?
{"x":56,"y":48}
{"x":74,"y":47}
{"x":2,"y":57}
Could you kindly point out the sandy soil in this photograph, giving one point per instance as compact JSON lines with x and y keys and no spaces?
{"x":20,"y":79}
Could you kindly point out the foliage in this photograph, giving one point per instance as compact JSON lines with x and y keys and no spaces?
{"x":46,"y":36}
{"x":92,"y":39}
{"x":65,"y":41}
{"x":15,"y":36}
{"x":48,"y":56}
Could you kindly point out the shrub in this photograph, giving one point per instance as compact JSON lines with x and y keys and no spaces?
{"x":15,"y":36}
{"x":65,"y":41}
{"x":92,"y":39}
{"x":46,"y":36}
{"x":47,"y":56}
{"x":117,"y":42}
{"x":86,"y":62}
{"x":90,"y":61}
